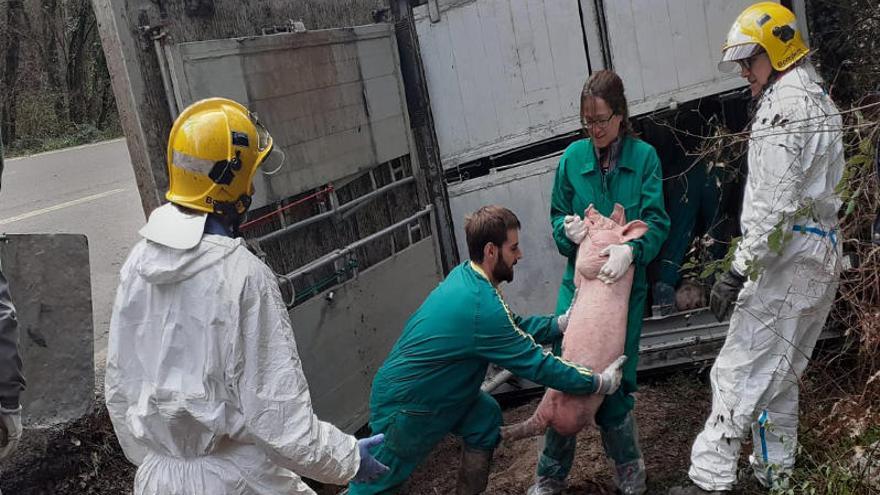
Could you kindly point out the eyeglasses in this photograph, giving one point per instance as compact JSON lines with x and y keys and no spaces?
{"x":598,"y":124}
{"x":746,"y":63}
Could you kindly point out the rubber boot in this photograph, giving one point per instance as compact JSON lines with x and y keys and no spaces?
{"x":473,"y":473}
{"x":621,"y":444}
{"x":664,"y":299}
{"x":547,"y":486}
{"x":690,"y":490}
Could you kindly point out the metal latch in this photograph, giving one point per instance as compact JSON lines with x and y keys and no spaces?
{"x":434,"y":11}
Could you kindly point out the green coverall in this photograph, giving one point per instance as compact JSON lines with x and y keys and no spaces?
{"x":636,"y":183}
{"x":693,"y":196}
{"x":430,"y":383}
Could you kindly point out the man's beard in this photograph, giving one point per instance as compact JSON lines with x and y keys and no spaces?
{"x":502,"y":272}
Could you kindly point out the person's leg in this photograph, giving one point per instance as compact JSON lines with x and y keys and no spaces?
{"x":716,"y":449}
{"x":810,"y":300}
{"x":685,"y":193}
{"x":772,"y":332}
{"x":480,"y":431}
{"x":410,"y":435}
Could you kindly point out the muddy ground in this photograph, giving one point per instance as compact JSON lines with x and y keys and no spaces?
{"x":86,"y":459}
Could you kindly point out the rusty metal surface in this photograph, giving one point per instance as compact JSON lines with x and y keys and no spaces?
{"x":49,"y":281}
{"x":342,"y":115}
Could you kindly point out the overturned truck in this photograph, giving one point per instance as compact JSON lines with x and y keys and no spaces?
{"x":393,"y":131}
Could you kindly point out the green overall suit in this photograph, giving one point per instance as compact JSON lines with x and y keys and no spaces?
{"x":430,"y":383}
{"x":635,"y":181}
{"x":693,"y":199}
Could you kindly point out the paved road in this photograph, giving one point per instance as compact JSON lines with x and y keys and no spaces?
{"x":86,"y":190}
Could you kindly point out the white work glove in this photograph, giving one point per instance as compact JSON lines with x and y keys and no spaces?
{"x":609,"y":380}
{"x":562,"y":320}
{"x":575,"y":228}
{"x":10,"y":430}
{"x":620,"y":256}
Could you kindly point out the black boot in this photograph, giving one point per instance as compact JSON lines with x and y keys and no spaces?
{"x":473,"y":473}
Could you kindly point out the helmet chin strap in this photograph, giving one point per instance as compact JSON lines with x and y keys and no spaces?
{"x":232,"y":214}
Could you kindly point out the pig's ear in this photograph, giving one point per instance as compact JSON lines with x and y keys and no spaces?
{"x":590,"y":211}
{"x":618,"y":215}
{"x":633,"y":230}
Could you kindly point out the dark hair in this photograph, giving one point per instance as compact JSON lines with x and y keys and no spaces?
{"x":488,"y":224}
{"x":607,"y":85}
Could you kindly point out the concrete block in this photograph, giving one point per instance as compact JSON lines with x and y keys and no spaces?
{"x":49,"y":280}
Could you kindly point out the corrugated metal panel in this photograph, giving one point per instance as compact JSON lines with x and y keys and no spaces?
{"x":501,"y":73}
{"x":332,"y":99}
{"x":342,"y":341}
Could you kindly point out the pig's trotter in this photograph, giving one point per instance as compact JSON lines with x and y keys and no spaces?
{"x":527,"y":429}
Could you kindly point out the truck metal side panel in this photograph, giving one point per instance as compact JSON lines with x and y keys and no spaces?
{"x":526,"y":191}
{"x":333,"y":99}
{"x":501,"y":73}
{"x":668,"y":50}
{"x":343,"y":340}
{"x":504,"y":74}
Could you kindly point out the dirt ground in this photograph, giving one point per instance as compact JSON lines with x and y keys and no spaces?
{"x":86,"y":459}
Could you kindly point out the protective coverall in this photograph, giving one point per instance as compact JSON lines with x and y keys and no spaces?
{"x":204,"y":384}
{"x":430,"y":383}
{"x":795,"y":161}
{"x":635,"y":181}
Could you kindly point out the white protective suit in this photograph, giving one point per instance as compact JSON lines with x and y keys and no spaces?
{"x":795,"y":162}
{"x":204,"y":383}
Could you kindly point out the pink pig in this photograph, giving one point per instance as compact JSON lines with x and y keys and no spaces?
{"x":596,"y":330}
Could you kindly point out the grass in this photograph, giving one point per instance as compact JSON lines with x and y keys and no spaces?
{"x":86,"y":134}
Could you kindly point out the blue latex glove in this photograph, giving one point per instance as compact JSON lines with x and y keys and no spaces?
{"x":370,"y":468}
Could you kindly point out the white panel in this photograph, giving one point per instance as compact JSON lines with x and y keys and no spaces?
{"x":475,"y":80}
{"x":571,"y":71}
{"x":435,"y":45}
{"x":502,"y":63}
{"x":501,"y":73}
{"x":669,"y":49}
{"x":654,"y":38}
{"x":526,"y":191}
{"x":590,"y":26}
{"x":691,"y":54}
{"x":533,"y":43}
{"x":623,"y":44}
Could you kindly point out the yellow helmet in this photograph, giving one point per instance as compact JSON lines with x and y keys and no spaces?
{"x":214,"y":150}
{"x":767,"y":25}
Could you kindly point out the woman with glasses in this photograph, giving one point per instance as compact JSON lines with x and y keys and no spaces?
{"x":609,"y":166}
